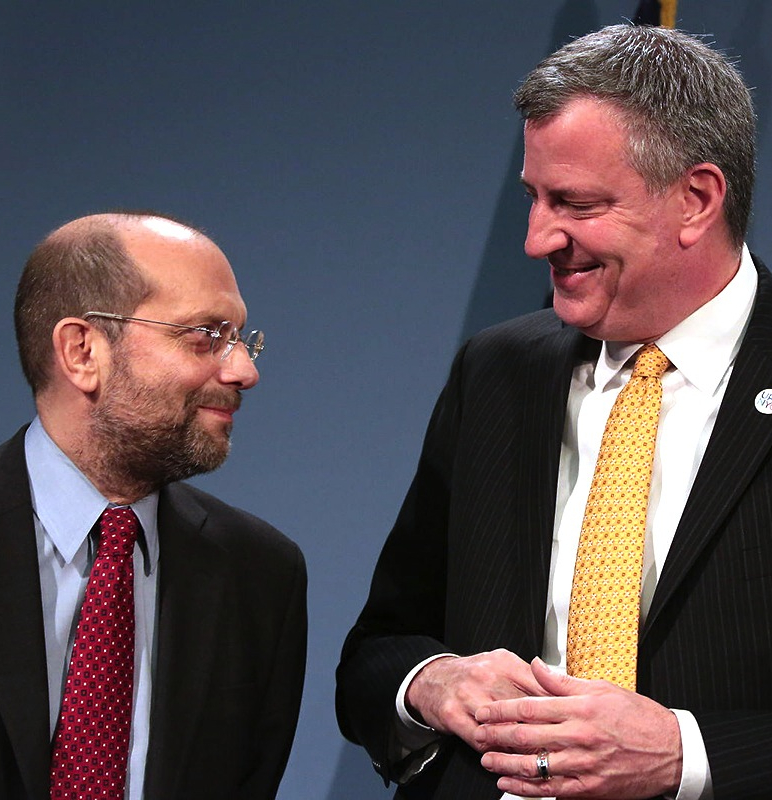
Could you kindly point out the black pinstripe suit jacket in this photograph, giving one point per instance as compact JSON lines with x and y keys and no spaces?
{"x":465,"y":568}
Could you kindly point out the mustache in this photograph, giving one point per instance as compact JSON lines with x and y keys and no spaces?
{"x":230,"y":401}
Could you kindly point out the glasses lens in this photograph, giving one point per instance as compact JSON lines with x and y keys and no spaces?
{"x":255,"y":344}
{"x":228,"y":336}
{"x":227,"y":339}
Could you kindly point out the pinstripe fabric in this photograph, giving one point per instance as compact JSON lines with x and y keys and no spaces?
{"x":479,"y":499}
{"x":466,"y":565}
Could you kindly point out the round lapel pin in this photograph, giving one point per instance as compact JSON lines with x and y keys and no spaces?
{"x":763,"y":401}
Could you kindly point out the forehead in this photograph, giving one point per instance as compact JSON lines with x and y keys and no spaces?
{"x":190,"y":275}
{"x":586,"y":140}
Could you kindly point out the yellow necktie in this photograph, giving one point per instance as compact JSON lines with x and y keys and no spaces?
{"x":606,"y":593}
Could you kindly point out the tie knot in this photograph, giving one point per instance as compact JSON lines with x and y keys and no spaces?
{"x":650,"y":362}
{"x":118,"y":531}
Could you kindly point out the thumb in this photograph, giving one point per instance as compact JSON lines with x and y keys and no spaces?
{"x":556,"y":683}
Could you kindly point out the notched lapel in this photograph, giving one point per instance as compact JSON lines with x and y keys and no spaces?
{"x":553,"y":362}
{"x":741,"y":441}
{"x":511,"y":599}
{"x":190,"y":597}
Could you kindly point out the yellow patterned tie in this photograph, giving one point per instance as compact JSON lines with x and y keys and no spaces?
{"x":606,"y":593}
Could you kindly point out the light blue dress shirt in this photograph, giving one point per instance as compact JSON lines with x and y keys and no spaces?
{"x":66,"y":506}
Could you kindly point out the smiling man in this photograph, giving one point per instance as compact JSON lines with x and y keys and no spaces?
{"x":153,"y":637}
{"x":575,"y":599}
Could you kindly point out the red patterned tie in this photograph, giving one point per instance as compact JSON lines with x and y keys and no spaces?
{"x":91,"y":744}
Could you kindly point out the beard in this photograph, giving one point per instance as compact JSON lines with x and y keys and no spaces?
{"x":142,"y":442}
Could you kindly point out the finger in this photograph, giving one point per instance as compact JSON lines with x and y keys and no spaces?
{"x":541,"y":767}
{"x":514,"y":738}
{"x":560,"y":684}
{"x":532,"y":710}
{"x":501,"y":711}
{"x":513,"y":765}
{"x":556,"y":682}
{"x":522,"y":787}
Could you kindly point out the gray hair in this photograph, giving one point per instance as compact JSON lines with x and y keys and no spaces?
{"x":681,"y":102}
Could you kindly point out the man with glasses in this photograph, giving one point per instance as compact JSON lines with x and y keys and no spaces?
{"x":153,"y":638}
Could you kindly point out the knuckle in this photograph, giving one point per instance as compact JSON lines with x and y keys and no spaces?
{"x":520,"y":737}
{"x":526,"y":709}
{"x":446,"y":709}
{"x":495,"y":762}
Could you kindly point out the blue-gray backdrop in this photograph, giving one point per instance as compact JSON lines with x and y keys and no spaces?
{"x":358,"y":162}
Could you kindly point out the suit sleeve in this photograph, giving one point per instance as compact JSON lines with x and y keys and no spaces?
{"x":402,"y":622}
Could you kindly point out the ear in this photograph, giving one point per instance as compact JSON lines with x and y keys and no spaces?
{"x":80,"y":352}
{"x":703,"y":192}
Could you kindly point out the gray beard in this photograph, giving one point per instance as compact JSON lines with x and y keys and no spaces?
{"x":138,"y":447}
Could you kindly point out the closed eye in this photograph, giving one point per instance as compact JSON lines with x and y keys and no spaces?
{"x":199,"y":339}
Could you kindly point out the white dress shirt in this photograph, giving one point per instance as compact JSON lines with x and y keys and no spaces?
{"x":702,"y":350}
{"x":66,"y":507}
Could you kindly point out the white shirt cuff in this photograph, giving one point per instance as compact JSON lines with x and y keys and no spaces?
{"x":696,"y":783}
{"x":411,"y":733}
{"x":412,"y":744}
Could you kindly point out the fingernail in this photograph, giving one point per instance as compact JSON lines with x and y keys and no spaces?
{"x":544,"y":666}
{"x":483,"y":714}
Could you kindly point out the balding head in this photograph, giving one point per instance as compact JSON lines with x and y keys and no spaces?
{"x":83,"y":265}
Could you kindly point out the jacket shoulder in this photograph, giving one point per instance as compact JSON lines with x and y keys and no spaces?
{"x":232,"y":528}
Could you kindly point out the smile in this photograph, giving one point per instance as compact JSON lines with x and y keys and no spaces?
{"x":577,"y":271}
{"x":222,"y":412}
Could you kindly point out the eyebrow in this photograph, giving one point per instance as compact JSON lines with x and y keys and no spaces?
{"x":560,"y":191}
{"x":206,"y":319}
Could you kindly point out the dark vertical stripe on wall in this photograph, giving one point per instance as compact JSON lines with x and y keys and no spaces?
{"x":647,"y":13}
{"x":656,"y":12}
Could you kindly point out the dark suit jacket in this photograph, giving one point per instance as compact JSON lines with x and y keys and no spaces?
{"x":466,"y":567}
{"x":230,"y":659}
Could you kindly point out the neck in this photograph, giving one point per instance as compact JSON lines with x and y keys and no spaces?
{"x":96,"y":460}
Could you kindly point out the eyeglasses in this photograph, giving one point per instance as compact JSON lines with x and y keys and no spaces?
{"x":219,"y":341}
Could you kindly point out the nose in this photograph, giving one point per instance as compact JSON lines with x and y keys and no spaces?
{"x":239,"y":369}
{"x":546,"y":234}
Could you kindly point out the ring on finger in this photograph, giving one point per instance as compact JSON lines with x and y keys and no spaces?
{"x":543,"y":765}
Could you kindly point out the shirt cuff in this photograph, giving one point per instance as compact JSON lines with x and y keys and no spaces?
{"x":696,"y":783}
{"x":412,"y":744}
{"x":410,"y":732}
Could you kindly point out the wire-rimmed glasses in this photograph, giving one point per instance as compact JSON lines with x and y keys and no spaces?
{"x":222,"y":338}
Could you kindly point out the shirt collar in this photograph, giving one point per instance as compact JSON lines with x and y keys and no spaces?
{"x":68,"y":504}
{"x":705,"y":344}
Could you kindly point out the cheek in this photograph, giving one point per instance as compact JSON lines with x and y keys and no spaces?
{"x":182,"y":376}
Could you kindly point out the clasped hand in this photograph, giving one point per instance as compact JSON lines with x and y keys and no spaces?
{"x":603,"y":741}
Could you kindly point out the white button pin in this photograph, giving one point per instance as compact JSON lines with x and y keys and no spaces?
{"x":764,"y":401}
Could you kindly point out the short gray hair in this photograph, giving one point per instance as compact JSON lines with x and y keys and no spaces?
{"x":681,"y":101}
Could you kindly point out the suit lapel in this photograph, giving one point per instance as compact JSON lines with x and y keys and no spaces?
{"x":511,"y":593}
{"x":552,"y":370}
{"x":23,"y":675}
{"x":741,"y":440}
{"x":190,"y":593}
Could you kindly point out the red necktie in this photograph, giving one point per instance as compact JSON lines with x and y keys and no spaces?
{"x":91,"y":744}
